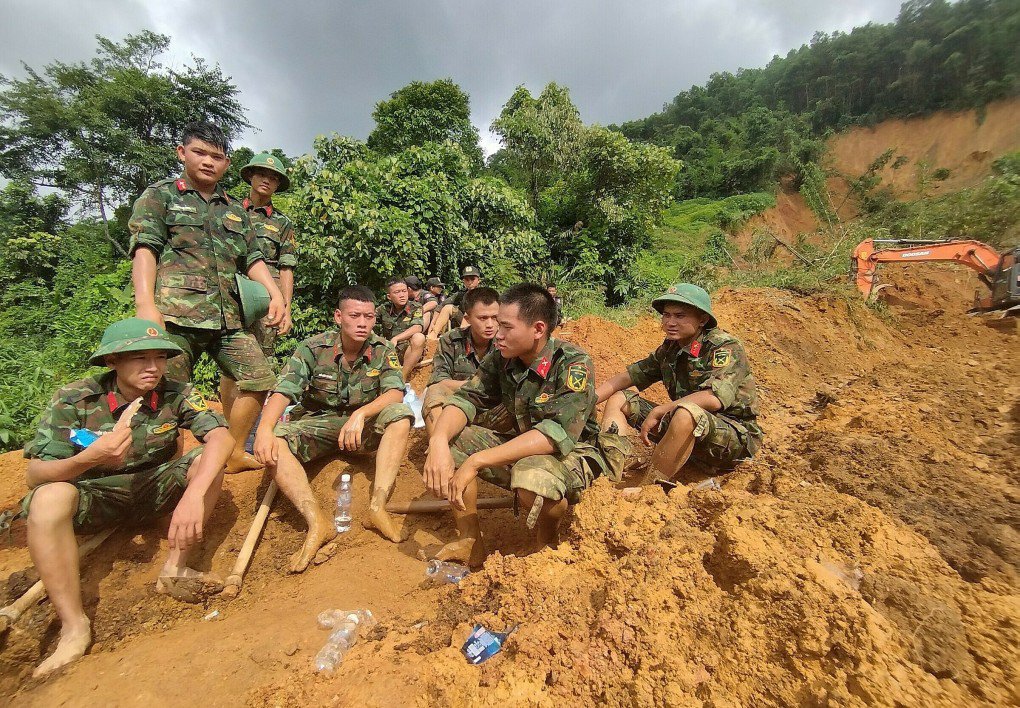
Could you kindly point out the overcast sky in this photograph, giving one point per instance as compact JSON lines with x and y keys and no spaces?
{"x":306,"y":68}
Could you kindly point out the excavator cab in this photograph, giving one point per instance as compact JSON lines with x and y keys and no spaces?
{"x":1005,"y":285}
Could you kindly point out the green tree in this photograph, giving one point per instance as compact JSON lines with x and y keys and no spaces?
{"x":426,"y":112}
{"x":101,"y":131}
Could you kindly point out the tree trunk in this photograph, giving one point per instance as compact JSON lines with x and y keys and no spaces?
{"x":106,"y":224}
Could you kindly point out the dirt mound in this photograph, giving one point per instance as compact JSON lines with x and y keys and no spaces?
{"x":964,"y":142}
{"x":868,"y":555}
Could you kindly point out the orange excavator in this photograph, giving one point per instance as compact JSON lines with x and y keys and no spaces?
{"x":999,"y":271}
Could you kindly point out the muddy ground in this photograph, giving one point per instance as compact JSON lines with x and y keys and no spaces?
{"x":867,"y":556}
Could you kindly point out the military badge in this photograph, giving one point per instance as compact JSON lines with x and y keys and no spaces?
{"x":544,"y":398}
{"x":721,"y":358}
{"x":372,"y":373}
{"x":417,"y":313}
{"x":270,"y":227}
{"x":196,"y":402}
{"x":165,"y":428}
{"x":695,"y":348}
{"x":234,"y":217}
{"x":392,"y":360}
{"x":151,"y":331}
{"x":577,"y":377}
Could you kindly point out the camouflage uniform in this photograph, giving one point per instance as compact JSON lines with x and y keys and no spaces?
{"x":274,"y":236}
{"x":327,"y":392}
{"x":457,"y":360}
{"x":390,"y":323}
{"x":556,"y":396}
{"x":714,"y":361}
{"x":200,"y":247}
{"x":150,"y":482}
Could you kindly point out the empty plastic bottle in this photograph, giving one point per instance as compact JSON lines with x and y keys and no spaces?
{"x":446,"y":572}
{"x":328,"y":657}
{"x":342,"y":519}
{"x":414,"y":403}
{"x":710,"y":483}
{"x":328,"y":619}
{"x":346,"y":627}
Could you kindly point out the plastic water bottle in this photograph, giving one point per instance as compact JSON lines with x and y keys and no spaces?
{"x":328,"y":657}
{"x":709,"y":484}
{"x":345,"y":633}
{"x":415,"y":404}
{"x":342,"y":520}
{"x":446,"y":572}
{"x":328,"y":619}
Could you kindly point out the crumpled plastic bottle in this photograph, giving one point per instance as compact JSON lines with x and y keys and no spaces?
{"x":446,"y":572}
{"x":346,"y":626}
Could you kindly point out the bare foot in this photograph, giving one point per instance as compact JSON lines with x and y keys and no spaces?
{"x":469,"y":551}
{"x":72,"y":646}
{"x":320,"y":532}
{"x":187,"y":584}
{"x":242,"y":462}
{"x":380,"y":520}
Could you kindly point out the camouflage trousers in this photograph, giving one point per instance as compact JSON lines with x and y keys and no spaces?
{"x":311,"y":435}
{"x":266,"y":337}
{"x":236,"y":352}
{"x":127,"y":499}
{"x":497,"y":419}
{"x":720,"y":441}
{"x":554,"y":477}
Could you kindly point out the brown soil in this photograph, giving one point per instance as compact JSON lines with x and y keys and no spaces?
{"x":868,"y":555}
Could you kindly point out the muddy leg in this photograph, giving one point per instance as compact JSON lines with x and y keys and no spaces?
{"x":468,"y":548}
{"x":243,"y":413}
{"x":439,"y":325}
{"x":54,"y":552}
{"x":547,"y":531}
{"x":292,"y":480}
{"x":228,"y":392}
{"x":614,"y":413}
{"x":676,"y":446}
{"x":412,"y":356}
{"x":392,"y":449}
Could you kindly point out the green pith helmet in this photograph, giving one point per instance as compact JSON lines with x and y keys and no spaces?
{"x":687,"y":294}
{"x":267,"y":161}
{"x":133,"y":335}
{"x":254,"y":300}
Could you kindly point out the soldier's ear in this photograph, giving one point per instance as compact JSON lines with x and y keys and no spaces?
{"x":336,"y":315}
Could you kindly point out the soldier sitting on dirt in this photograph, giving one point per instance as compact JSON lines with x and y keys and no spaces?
{"x":349,"y":392}
{"x":712,"y":413}
{"x":425,"y":299}
{"x":128,"y":474}
{"x":460,"y":354}
{"x":400,"y":321}
{"x":553,"y":451}
{"x":451,"y":313}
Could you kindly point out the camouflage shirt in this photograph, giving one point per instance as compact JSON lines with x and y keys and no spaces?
{"x":456,"y":358}
{"x":274,"y":234}
{"x":200,"y":246}
{"x":714,"y":361}
{"x":95,"y":404}
{"x":318,"y":378}
{"x":390,"y":323}
{"x":555,"y":395}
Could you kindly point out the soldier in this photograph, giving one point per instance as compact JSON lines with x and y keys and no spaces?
{"x":551,"y":454}
{"x":436,"y":288}
{"x":400,"y":322}
{"x":104,"y":456}
{"x":471,"y":277}
{"x":712,"y":414}
{"x":349,"y":392}
{"x":423,"y":298}
{"x":189,"y":241}
{"x":459,"y":355}
{"x":559,"y":303}
{"x":274,"y":236}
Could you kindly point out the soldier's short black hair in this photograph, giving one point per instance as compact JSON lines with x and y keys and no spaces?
{"x":355,"y":292}
{"x":534,"y":303}
{"x":393,"y":281}
{"x":206,"y":132}
{"x":480,"y":295}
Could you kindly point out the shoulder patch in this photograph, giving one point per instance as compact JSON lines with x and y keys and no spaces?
{"x":196,"y":402}
{"x":393,"y":360}
{"x":577,"y":377}
{"x":417,"y":313}
{"x":720,"y":358}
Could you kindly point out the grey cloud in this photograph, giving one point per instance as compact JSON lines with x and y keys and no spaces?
{"x":316,"y":67}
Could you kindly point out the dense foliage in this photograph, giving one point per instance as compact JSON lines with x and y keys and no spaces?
{"x":739,"y":131}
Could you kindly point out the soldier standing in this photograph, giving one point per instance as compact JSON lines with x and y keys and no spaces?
{"x":104,"y":455}
{"x":713,"y":409}
{"x":349,"y":394}
{"x":399,"y":321}
{"x":189,"y":241}
{"x":274,"y":236}
{"x":553,"y":451}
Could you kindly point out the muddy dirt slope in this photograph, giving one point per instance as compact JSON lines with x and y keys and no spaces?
{"x":868,"y":556}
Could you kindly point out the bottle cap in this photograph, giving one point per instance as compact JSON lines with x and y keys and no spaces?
{"x":345,"y":478}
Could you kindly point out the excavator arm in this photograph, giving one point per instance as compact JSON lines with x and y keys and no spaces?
{"x":975,"y":255}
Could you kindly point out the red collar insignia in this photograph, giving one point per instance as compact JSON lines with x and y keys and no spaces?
{"x":543,"y":367}
{"x":247,"y":205}
{"x":111,"y":400}
{"x":696,"y":348}
{"x":182,"y":186}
